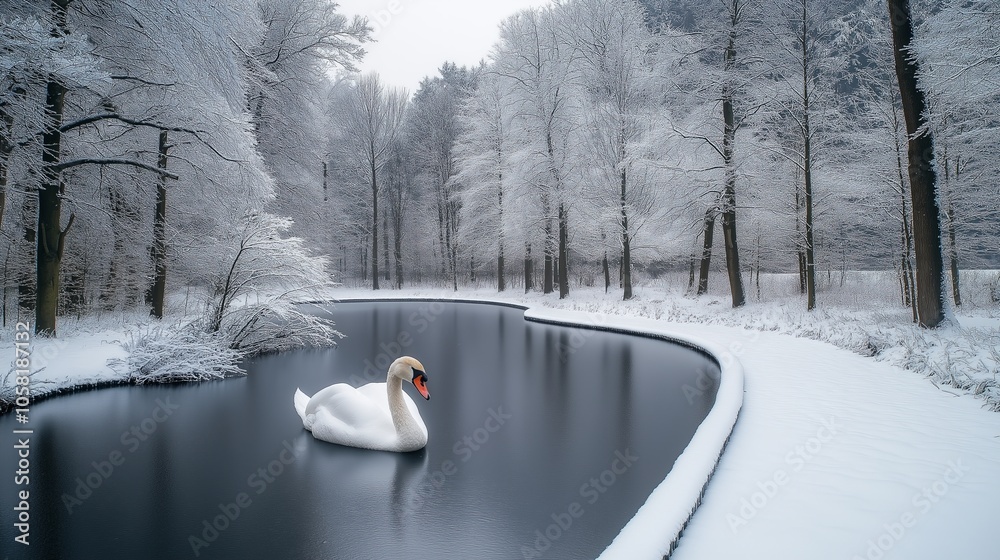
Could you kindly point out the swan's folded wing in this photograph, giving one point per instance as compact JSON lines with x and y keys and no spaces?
{"x":376,"y":394}
{"x":371,"y":434}
{"x":301,"y":401}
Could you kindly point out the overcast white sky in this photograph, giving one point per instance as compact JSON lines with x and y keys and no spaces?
{"x":414,"y":37}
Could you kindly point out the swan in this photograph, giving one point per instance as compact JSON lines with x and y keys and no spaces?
{"x":378,"y":416}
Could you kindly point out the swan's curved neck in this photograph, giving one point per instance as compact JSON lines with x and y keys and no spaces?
{"x":406,"y":427}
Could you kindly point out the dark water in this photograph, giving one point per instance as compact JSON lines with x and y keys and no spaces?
{"x":527,"y":423}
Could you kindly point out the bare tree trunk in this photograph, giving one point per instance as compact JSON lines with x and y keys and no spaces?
{"x":385,"y":247}
{"x":441,"y":230}
{"x":904,"y":290}
{"x":909,"y":281}
{"x":450,"y":238}
{"x":364,"y":261}
{"x":708,"y":235}
{"x":908,"y":276}
{"x":157,"y":291}
{"x":397,"y":239}
{"x":26,"y":278}
{"x":501,"y":273}
{"x":548,"y":247}
{"x":529,"y":268}
{"x":51,"y":238}
{"x":501,"y":279}
{"x":729,"y":193}
{"x":807,"y":166}
{"x":692,"y":271}
{"x":374,"y":172}
{"x":800,"y":255}
{"x":607,"y":272}
{"x":952,"y":237}
{"x":396,"y":213}
{"x":626,"y":242}
{"x":6,"y":147}
{"x":563,"y":252}
{"x":923,"y":188}
{"x":758,"y":263}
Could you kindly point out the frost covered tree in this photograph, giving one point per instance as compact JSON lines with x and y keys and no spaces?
{"x":537,"y":56}
{"x":726,"y":77}
{"x":123,"y":114}
{"x":372,"y":124}
{"x":959,"y":65}
{"x":435,"y":112}
{"x":805,"y":68}
{"x":37,"y":51}
{"x":615,"y":51}
{"x":301,"y":44}
{"x":484,"y":153}
{"x":256,"y":284}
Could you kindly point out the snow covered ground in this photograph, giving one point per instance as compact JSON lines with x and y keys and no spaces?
{"x":79,"y":358}
{"x":838,"y":456}
{"x":848,"y":445}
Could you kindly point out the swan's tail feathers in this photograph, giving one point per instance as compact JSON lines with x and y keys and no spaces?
{"x":301,"y":400}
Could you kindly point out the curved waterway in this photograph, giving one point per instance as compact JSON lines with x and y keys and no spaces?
{"x":544,"y":441}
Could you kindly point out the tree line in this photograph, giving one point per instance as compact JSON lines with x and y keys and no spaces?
{"x":225,"y":159}
{"x":608,"y":138}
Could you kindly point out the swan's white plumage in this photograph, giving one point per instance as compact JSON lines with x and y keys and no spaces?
{"x":362,"y":417}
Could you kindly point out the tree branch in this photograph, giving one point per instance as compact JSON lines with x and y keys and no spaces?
{"x":115,"y":116}
{"x":141,"y":81}
{"x":78,"y":162}
{"x":61,"y":247}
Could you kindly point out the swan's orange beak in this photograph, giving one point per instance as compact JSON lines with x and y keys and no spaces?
{"x":420,"y":382}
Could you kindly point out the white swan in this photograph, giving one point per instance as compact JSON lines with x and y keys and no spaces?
{"x":377,"y":416}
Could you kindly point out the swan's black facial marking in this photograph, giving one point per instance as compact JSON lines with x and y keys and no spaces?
{"x":420,"y":382}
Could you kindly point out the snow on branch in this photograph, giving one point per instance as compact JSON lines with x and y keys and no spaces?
{"x":97,"y":161}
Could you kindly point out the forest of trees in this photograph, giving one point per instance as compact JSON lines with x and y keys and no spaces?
{"x":226,"y":158}
{"x":609,"y":139}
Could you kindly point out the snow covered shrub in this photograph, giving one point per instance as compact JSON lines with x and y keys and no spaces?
{"x":274,"y":326}
{"x":176,"y":354}
{"x":257,"y":286}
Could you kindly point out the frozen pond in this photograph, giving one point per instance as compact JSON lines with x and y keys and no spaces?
{"x":543,"y":439}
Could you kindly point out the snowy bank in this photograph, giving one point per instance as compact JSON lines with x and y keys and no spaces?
{"x":80,"y":360}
